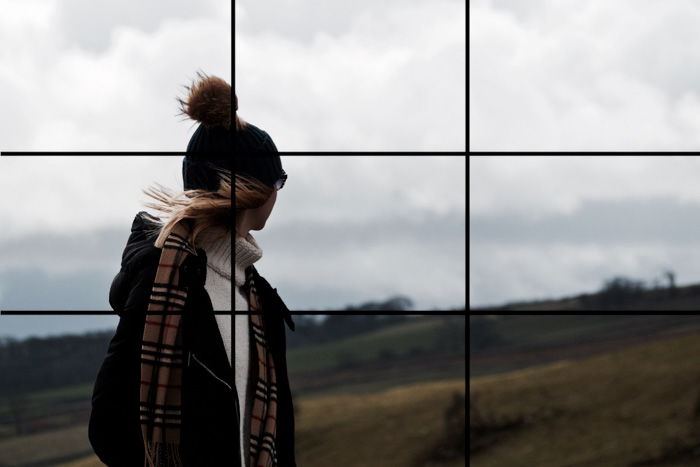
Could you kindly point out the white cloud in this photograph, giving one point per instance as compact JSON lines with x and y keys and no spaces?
{"x":61,"y":94}
{"x":78,"y":194}
{"x":596,"y":75}
{"x":75,"y":75}
{"x":390,"y":77}
{"x":353,"y":190}
{"x":535,"y":186}
{"x":82,"y":193}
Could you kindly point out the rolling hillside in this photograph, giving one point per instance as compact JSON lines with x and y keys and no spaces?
{"x":634,"y":407}
{"x":500,"y":343}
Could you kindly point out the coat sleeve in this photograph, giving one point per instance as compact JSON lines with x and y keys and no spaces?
{"x":114,"y":428}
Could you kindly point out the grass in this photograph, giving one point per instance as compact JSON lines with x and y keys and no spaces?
{"x":52,"y":396}
{"x":625,"y":407}
{"x":65,"y":443}
{"x":529,"y":331}
{"x":401,"y":338}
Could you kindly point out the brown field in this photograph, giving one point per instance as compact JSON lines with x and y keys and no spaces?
{"x":632,"y":407}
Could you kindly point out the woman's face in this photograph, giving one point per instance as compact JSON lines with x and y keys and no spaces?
{"x":256,"y":218}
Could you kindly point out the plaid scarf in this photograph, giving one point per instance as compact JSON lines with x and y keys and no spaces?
{"x":162,"y":356}
{"x":263,"y":417}
{"x":162,"y":363}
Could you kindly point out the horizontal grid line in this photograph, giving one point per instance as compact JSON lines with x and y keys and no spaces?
{"x":239,"y":313}
{"x":584,"y":153}
{"x":91,"y":153}
{"x":281,"y":153}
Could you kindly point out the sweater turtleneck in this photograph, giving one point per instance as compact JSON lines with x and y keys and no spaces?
{"x":217,"y":246}
{"x":247,"y":252}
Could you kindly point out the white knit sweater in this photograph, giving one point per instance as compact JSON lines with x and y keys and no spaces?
{"x":219,"y":289}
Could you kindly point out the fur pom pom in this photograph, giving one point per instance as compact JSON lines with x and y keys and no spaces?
{"x":208,"y":102}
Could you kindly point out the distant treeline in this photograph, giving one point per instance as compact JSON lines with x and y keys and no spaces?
{"x":619,"y":293}
{"x":309,"y":330}
{"x":49,"y":362}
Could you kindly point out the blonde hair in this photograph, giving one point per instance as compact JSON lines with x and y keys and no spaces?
{"x":203,"y":210}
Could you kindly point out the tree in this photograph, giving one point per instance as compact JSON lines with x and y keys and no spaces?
{"x":671,"y":276}
{"x":620,"y":291}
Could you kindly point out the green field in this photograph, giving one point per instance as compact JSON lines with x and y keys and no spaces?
{"x":417,"y":333}
{"x":530,"y":331}
{"x":631,"y":407}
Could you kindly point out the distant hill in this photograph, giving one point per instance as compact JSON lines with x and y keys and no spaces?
{"x":685,"y":298}
{"x":499,"y":343}
{"x":635,"y":407}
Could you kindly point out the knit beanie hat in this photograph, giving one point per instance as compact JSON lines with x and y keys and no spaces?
{"x":217,"y":144}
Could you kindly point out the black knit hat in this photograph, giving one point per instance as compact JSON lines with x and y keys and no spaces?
{"x":216,"y":144}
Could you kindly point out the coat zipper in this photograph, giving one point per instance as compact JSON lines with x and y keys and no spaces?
{"x":235,"y":393}
{"x":210,"y":372}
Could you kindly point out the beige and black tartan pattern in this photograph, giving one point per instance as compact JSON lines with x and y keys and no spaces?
{"x":162,"y":357}
{"x":162,"y":363}
{"x":263,"y":416}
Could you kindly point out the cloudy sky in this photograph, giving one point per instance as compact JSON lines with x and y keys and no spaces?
{"x":591,"y":75}
{"x":360,"y":76}
{"x":551,"y":226}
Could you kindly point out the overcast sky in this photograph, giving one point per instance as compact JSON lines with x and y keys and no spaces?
{"x":550,"y":226}
{"x":584,"y":75}
{"x":360,"y":76}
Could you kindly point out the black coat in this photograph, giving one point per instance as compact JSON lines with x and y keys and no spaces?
{"x":210,"y":434}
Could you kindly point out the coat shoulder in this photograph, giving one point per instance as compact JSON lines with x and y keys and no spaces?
{"x":131,"y":286}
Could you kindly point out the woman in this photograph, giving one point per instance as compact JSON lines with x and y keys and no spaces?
{"x":169,"y":391}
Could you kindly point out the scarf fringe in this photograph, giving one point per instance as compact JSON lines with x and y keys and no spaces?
{"x":162,"y":455}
